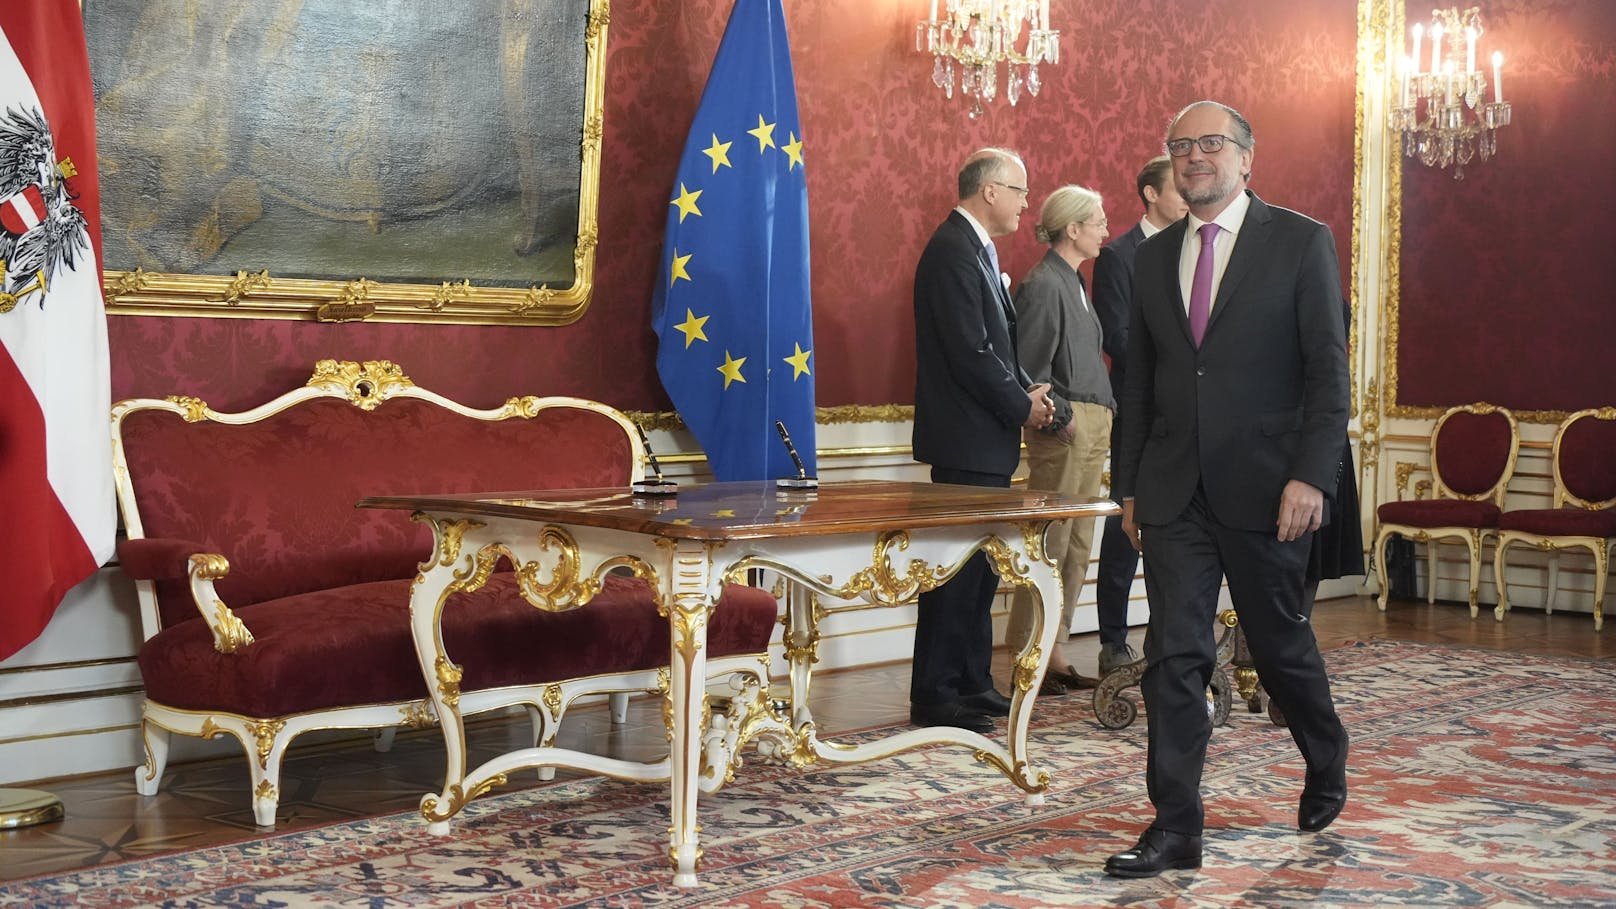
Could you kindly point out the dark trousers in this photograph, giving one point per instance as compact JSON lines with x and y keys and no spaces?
{"x":1185,"y":561}
{"x":954,"y":628}
{"x":1113,"y":581}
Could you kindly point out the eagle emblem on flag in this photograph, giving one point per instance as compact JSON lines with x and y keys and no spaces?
{"x":42,"y":228}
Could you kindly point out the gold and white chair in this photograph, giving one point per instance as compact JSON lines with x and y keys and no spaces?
{"x":1473,"y":452}
{"x":1584,"y":512}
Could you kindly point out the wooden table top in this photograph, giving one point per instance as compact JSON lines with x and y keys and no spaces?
{"x":752,"y":510}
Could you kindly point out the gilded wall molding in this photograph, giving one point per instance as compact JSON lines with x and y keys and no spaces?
{"x":1405,"y":469}
{"x":1369,"y":435}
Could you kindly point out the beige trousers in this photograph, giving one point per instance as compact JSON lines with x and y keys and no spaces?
{"x":1054,"y":466}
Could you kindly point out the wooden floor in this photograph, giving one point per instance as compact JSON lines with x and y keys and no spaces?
{"x":204,"y":804}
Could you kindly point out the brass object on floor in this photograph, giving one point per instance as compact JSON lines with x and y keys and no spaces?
{"x":27,"y":807}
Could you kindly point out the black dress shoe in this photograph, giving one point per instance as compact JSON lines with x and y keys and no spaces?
{"x":1050,"y":688}
{"x":1323,"y":797}
{"x":1071,"y":678}
{"x":952,"y":713}
{"x":1156,"y":851}
{"x":989,"y":702}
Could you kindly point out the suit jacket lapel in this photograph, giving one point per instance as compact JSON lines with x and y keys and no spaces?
{"x":983,"y":265}
{"x":1175,"y":234}
{"x":999,"y":291}
{"x":1248,"y":248}
{"x":1088,"y":303}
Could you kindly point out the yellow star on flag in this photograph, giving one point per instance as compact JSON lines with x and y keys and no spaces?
{"x":687,"y":203}
{"x":719,"y":152}
{"x":793,"y":150}
{"x":764,"y":134}
{"x":732,"y":369}
{"x":685,"y":521}
{"x":679,"y":267}
{"x":798,"y":361}
{"x":724,"y":513}
{"x":692,"y":327}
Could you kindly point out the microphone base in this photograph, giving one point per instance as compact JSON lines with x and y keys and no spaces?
{"x":660,"y":488}
{"x":797,"y":483}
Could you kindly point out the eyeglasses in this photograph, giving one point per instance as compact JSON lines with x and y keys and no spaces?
{"x":1020,"y":189}
{"x":1101,"y":224}
{"x":1211,"y":144}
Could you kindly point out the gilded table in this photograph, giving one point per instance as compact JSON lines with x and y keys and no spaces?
{"x":878,"y":542}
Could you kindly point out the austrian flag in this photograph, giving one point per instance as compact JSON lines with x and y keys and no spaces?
{"x":55,"y":452}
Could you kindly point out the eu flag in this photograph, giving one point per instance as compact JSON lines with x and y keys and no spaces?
{"x":731,"y":309}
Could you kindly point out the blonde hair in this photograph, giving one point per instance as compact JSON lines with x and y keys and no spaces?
{"x":1067,"y":205}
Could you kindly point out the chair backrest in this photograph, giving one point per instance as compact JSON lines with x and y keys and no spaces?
{"x":273,"y":488}
{"x":1473,"y":452}
{"x":1585,"y":459}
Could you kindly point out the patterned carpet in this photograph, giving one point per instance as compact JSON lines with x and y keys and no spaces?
{"x":1478,"y":779}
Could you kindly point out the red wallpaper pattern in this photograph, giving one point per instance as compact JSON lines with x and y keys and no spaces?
{"x":1506,"y":289}
{"x":882,"y":148}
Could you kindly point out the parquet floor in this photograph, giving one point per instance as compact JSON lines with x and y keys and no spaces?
{"x":206,"y":803}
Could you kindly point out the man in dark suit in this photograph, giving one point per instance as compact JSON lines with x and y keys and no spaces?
{"x":1232,"y":419}
{"x":1113,"y":289}
{"x":971,"y":400}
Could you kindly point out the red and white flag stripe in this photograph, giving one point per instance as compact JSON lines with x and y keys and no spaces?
{"x":55,"y":454}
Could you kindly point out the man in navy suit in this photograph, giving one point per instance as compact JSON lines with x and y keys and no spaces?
{"x":971,"y":401}
{"x":1232,"y":418}
{"x":1113,"y":289}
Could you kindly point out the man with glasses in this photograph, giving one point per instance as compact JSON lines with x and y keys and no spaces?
{"x":1233,"y":412}
{"x":1113,"y":289}
{"x":971,"y":401}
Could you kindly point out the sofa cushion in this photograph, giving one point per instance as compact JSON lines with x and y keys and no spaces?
{"x":1561,"y":522}
{"x":351,"y":645}
{"x":1439,"y":513}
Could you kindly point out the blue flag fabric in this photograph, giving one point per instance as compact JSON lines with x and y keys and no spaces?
{"x":731,"y":309}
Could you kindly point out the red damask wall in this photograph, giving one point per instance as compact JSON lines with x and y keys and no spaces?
{"x":882,"y":148}
{"x":1507,"y":275}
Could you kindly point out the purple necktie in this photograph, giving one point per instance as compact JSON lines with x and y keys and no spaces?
{"x":1201,"y":288}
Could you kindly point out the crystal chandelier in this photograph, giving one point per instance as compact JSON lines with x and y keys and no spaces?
{"x":1452,"y":86}
{"x":978,"y":35}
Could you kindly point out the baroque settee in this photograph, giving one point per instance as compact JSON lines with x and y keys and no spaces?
{"x":271,"y":606}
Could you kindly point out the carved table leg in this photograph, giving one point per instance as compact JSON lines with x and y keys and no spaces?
{"x":688,"y":609}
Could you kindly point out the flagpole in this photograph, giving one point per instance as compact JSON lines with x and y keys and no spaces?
{"x":27,"y":807}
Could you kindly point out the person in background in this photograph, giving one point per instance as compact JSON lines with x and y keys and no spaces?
{"x":971,"y":402}
{"x":1338,"y":547}
{"x":1113,"y":288}
{"x":1233,"y":418}
{"x":1058,"y":341}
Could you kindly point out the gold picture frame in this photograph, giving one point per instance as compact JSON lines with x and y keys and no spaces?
{"x":319,"y":160}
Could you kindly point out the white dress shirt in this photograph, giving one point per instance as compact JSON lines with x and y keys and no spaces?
{"x":1230,"y":220}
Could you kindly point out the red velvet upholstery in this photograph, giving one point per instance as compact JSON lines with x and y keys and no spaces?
{"x":1587,"y":459}
{"x":160,"y":559}
{"x":1472,"y":451}
{"x":1439,"y":513}
{"x":318,"y":590}
{"x":1561,"y":522}
{"x":276,"y":498}
{"x":351,"y":645}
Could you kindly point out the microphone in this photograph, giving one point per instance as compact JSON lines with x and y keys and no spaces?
{"x":658,"y":486}
{"x":802,"y":480}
